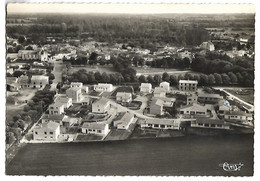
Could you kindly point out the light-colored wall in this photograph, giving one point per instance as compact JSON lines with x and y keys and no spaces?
{"x":98,"y":108}
{"x":46,"y":137}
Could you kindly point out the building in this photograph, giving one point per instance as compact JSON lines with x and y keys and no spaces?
{"x":56,"y":109}
{"x":165,"y":85}
{"x":33,"y":55}
{"x":210,"y":123}
{"x":192,"y":98}
{"x":68,"y":121}
{"x":101,"y":106}
{"x":63,"y":99}
{"x":193,"y":110}
{"x":160,"y":124}
{"x":103,"y":87}
{"x":39,"y":81}
{"x":156,"y":107}
{"x":207,"y":46}
{"x":58,"y":118}
{"x":167,"y":101}
{"x":125,"y":121}
{"x":237,"y":116}
{"x":209,"y":98}
{"x":159,"y":92}
{"x":48,"y":131}
{"x":75,"y":94}
{"x":223,"y":106}
{"x":76,"y":84}
{"x":188,"y":85}
{"x":146,"y":88}
{"x":99,"y":129}
{"x":12,"y":84}
{"x":124,"y":97}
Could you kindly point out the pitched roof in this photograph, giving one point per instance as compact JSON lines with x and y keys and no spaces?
{"x":159,"y":121}
{"x":123,"y":94}
{"x":210,"y":121}
{"x":166,"y":83}
{"x":100,"y":126}
{"x":239,"y":113}
{"x":53,"y":117}
{"x":167,"y":99}
{"x":146,"y":85}
{"x":62,"y":99}
{"x":39,"y":77}
{"x":101,"y":101}
{"x":194,"y":106}
{"x":210,"y":95}
{"x":50,"y":125}
{"x":73,"y":89}
{"x":159,"y":90}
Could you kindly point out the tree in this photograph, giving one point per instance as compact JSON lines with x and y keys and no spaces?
{"x":233,"y":77}
{"x":218,"y":78}
{"x":98,"y":76}
{"x":10,"y":137}
{"x":186,"y":62}
{"x":51,"y":76}
{"x":150,"y":79}
{"x":29,"y":48}
{"x":21,"y":39}
{"x":113,"y":79}
{"x":225,"y":79}
{"x":166,"y":77}
{"x":17,"y":73}
{"x":173,"y":80}
{"x":157,"y":79}
{"x":142,"y":79}
{"x":105,"y":77}
{"x":211,"y":79}
{"x":203,"y":79}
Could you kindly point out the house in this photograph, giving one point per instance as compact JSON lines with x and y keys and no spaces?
{"x":48,"y":131}
{"x":209,"y":98}
{"x":74,"y":93}
{"x":210,"y":123}
{"x":103,"y":87}
{"x":54,"y":118}
{"x":167,"y":101}
{"x":237,"y":116}
{"x":160,"y":124}
{"x":101,"y":106}
{"x":159,"y":92}
{"x":156,"y":107}
{"x":165,"y":85}
{"x":63,"y":99}
{"x":193,"y":110}
{"x":146,"y":88}
{"x":68,"y":121}
{"x":188,"y":85}
{"x":99,"y":129}
{"x":23,"y":81}
{"x":223,"y":106}
{"x":33,"y":55}
{"x":192,"y":98}
{"x":39,"y":81}
{"x":56,"y":109}
{"x":207,"y":46}
{"x":125,"y":121}
{"x":76,"y":84}
{"x":124,"y":97}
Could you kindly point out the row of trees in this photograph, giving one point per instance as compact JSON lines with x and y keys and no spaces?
{"x":30,"y":114}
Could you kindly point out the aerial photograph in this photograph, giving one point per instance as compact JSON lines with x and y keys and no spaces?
{"x":129,"y":89}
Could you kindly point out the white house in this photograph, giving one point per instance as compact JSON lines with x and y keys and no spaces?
{"x":194,"y":110}
{"x":49,"y":131}
{"x":192,"y":98}
{"x":39,"y":81}
{"x":103,"y":87}
{"x":188,"y":85}
{"x":209,"y":98}
{"x":156,"y":107}
{"x":167,"y":101}
{"x":207,"y":46}
{"x":159,"y":92}
{"x":125,"y":121}
{"x":76,"y":84}
{"x":146,"y":88}
{"x":101,"y":106}
{"x":237,"y":115}
{"x":56,"y":109}
{"x":58,"y":118}
{"x":210,"y":123}
{"x":165,"y":85}
{"x":33,"y":55}
{"x":74,"y":93}
{"x":63,"y":99}
{"x":124,"y":97}
{"x":160,"y":124}
{"x":99,"y":129}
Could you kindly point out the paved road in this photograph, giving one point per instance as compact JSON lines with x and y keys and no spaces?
{"x":57,"y":71}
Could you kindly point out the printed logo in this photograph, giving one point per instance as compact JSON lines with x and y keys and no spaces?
{"x":231,"y":167}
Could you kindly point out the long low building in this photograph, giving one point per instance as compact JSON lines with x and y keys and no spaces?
{"x":160,"y":124}
{"x":99,"y":129}
{"x":210,"y":123}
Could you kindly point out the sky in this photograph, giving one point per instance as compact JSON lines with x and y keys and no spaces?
{"x":130,"y":8}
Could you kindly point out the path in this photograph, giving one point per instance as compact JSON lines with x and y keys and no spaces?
{"x":57,"y":71}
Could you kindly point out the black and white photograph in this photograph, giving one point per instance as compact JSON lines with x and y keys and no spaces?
{"x":96,"y":89}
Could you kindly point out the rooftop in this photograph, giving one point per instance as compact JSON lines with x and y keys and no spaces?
{"x":148,"y":85}
{"x":101,"y":101}
{"x":94,"y":125}
{"x":50,"y":125}
{"x":159,"y":90}
{"x":188,"y":81}
{"x":53,"y":117}
{"x":239,"y":113}
{"x":123,"y":94}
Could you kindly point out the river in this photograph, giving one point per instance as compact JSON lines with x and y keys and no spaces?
{"x":188,"y":156}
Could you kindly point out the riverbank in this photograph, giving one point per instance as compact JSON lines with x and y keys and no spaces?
{"x":187,"y":155}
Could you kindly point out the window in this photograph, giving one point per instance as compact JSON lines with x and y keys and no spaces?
{"x":45,"y":137}
{"x":93,"y":130}
{"x":169,"y":126}
{"x":90,"y":130}
{"x":200,"y":124}
{"x":207,"y":125}
{"x":51,"y":137}
{"x":213,"y":125}
{"x":36,"y":132}
{"x":98,"y":109}
{"x":162,"y":126}
{"x":51,"y":132}
{"x":45,"y":132}
{"x":99,"y":131}
{"x":150,"y":125}
{"x":156,"y":125}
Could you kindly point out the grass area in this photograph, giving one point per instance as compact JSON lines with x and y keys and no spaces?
{"x":249,"y":97}
{"x":97,"y":68}
{"x":88,"y":137}
{"x":160,"y":71}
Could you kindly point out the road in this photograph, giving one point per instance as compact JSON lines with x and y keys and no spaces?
{"x":57,"y":71}
{"x":233,"y":96}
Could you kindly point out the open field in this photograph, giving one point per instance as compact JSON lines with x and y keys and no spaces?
{"x":189,"y":155}
{"x":160,"y":71}
{"x":89,"y":68}
{"x":248,"y":97}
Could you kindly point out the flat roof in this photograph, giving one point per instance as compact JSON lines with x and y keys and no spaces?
{"x":189,"y":81}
